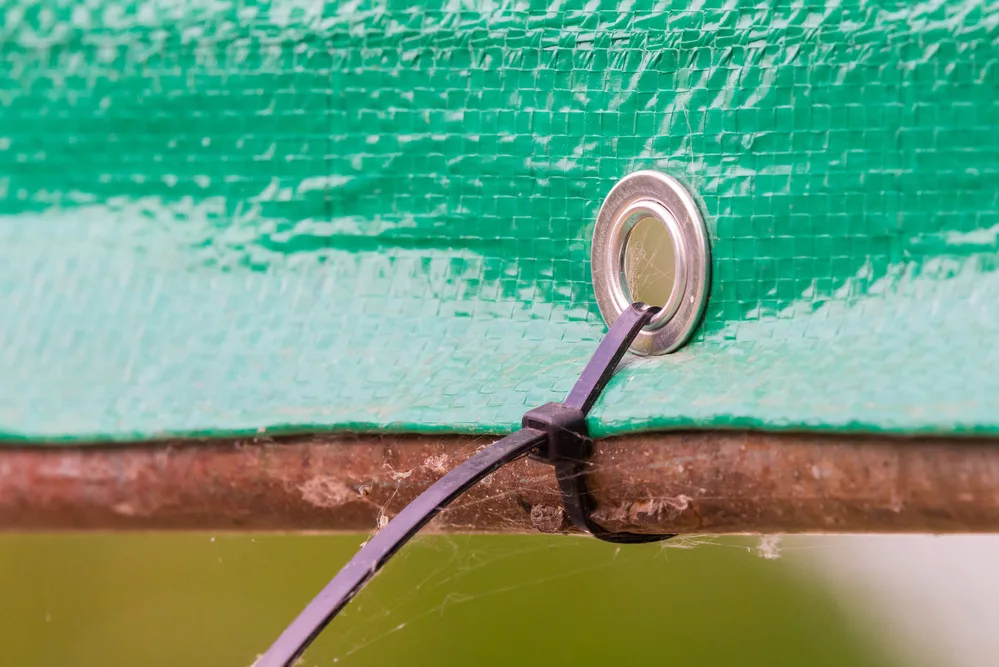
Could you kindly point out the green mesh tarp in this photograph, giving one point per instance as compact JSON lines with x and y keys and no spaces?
{"x":239,"y":217}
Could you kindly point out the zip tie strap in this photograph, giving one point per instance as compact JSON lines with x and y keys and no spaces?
{"x":557,"y":430}
{"x":568,"y":445}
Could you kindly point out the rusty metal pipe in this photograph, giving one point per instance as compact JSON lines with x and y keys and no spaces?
{"x":687,"y":482}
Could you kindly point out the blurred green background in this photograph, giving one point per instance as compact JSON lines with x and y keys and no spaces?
{"x":197,"y":599}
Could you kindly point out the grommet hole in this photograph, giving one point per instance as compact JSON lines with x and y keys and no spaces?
{"x":650,"y":262}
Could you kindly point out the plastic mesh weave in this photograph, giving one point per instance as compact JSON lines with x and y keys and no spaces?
{"x":223,"y":218}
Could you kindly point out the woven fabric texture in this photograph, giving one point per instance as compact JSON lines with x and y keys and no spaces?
{"x":223,"y":218}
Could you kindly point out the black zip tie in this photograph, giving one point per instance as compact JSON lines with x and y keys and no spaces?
{"x":568,"y":445}
{"x":557,"y":430}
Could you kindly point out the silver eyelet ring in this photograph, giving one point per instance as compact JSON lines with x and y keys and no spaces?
{"x":650,"y":194}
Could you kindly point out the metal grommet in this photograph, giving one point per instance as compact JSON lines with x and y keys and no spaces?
{"x":641,"y":199}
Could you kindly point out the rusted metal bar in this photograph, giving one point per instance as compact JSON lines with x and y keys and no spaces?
{"x":694,"y":482}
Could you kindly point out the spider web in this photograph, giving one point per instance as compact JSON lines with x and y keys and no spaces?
{"x":451,"y":576}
